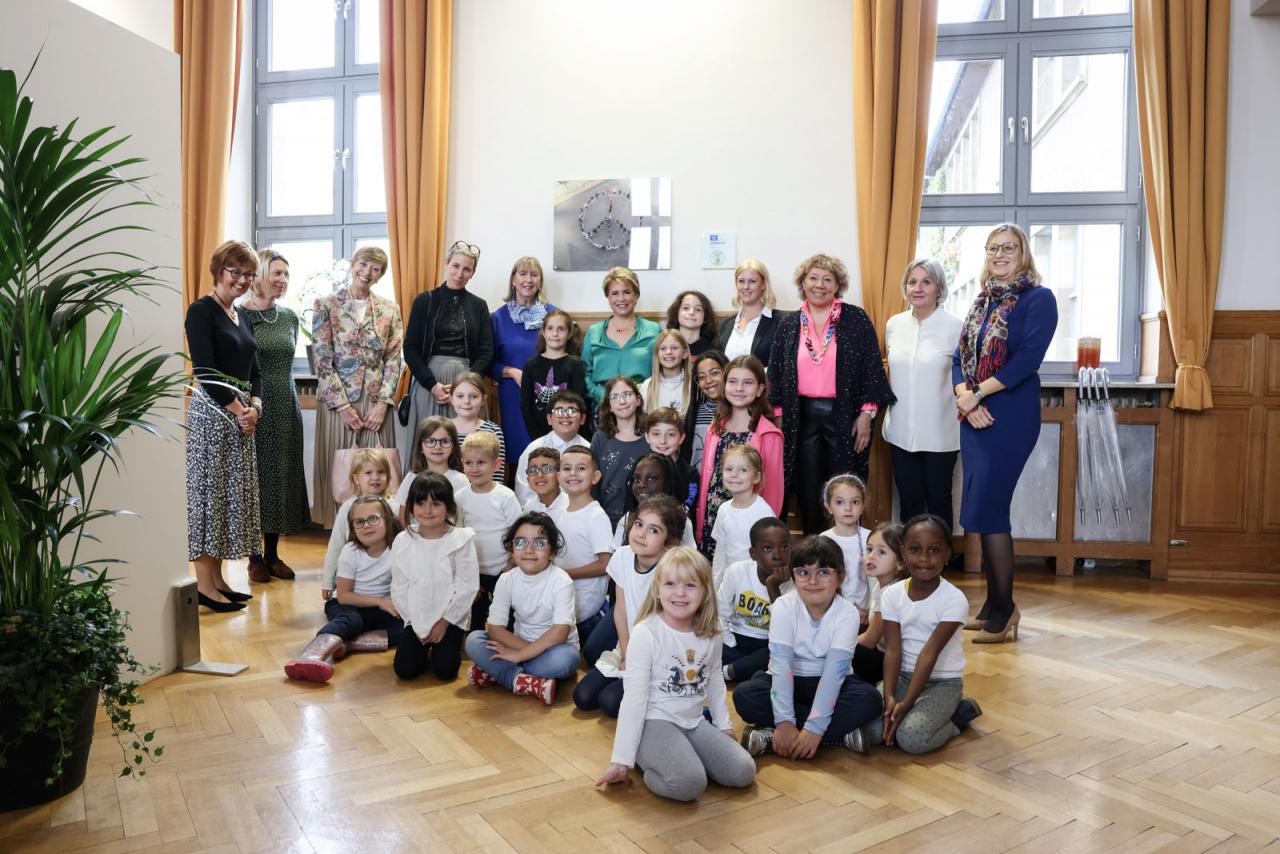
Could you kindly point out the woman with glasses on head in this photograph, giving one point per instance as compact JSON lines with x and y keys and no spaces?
{"x":449,"y":334}
{"x":357,"y":337}
{"x":223,"y":413}
{"x":997,"y":387}
{"x":282,"y":484}
{"x":621,"y":345}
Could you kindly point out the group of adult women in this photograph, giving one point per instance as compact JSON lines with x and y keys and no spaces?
{"x":969,"y":386}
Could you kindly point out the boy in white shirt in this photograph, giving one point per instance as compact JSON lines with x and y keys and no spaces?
{"x":566,"y":415}
{"x":587,"y":544}
{"x":543,"y":471}
{"x":490,"y":508}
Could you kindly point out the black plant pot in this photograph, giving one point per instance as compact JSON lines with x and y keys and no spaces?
{"x":28,"y":761}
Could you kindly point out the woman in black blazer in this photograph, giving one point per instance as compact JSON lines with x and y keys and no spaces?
{"x":751,"y":329}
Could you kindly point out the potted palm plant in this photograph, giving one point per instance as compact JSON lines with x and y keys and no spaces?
{"x":68,"y":391}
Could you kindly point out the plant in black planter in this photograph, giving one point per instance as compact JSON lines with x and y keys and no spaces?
{"x":67,"y":394}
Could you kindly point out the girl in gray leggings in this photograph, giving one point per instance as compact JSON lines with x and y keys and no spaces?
{"x":672,"y":669}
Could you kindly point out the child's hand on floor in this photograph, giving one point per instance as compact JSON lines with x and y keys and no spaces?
{"x":615,"y":773}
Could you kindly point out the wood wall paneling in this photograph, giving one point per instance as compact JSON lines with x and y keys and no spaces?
{"x":1211,"y":492}
{"x":1230,"y":364}
{"x":1270,"y":487}
{"x":1272,"y":387}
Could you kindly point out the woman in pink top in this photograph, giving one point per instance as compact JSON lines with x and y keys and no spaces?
{"x":826,"y":376}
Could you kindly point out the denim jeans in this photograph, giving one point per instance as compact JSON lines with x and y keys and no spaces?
{"x":558,"y":662}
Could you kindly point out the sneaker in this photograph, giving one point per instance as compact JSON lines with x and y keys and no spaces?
{"x":856,"y":741}
{"x":477,"y":678}
{"x":965,"y":713}
{"x":758,"y":740}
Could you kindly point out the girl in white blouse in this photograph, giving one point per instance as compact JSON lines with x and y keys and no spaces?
{"x":434,"y":579}
{"x":921,"y":427}
{"x":673,"y":670}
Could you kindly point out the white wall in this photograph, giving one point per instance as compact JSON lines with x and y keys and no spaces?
{"x":1252,"y":222}
{"x":746,"y":104}
{"x":151,"y":19}
{"x":133,"y":84}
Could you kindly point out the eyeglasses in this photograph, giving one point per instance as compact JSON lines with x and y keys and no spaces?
{"x":622,"y":395}
{"x":433,"y":442}
{"x":1002,"y":248}
{"x":546,"y":468}
{"x":822,"y":572}
{"x":366,"y":522}
{"x":565,"y":411}
{"x":522,"y":543}
{"x":240,"y":274}
{"x":465,"y":248}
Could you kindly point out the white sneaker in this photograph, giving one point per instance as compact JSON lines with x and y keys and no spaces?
{"x":856,"y":741}
{"x":757,"y":741}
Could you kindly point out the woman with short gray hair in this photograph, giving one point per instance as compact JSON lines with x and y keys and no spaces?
{"x":921,"y":427}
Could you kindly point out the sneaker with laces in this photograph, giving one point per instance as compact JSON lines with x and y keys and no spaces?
{"x":856,"y":741}
{"x":477,"y":678}
{"x":757,"y":740}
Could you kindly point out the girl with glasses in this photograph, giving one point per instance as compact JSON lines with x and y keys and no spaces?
{"x":435,"y":451}
{"x":618,"y":442}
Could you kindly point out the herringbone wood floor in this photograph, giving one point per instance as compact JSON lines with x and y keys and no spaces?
{"x":1130,"y":715}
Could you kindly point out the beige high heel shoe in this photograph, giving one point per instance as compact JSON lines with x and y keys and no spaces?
{"x":1010,"y":631}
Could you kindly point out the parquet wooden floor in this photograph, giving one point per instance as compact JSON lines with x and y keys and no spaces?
{"x":1130,"y":715}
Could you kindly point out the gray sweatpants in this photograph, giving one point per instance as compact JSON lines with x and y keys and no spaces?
{"x":927,"y":725}
{"x":677,"y":761}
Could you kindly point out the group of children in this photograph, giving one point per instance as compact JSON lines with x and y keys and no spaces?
{"x":605,"y":559}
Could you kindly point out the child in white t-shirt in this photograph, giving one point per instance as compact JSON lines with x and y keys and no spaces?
{"x":808,"y":697}
{"x":542,"y":467}
{"x":566,"y":416}
{"x":435,"y":450}
{"x":489,"y":509}
{"x":587,"y":547}
{"x":370,"y":475}
{"x":746,"y":592}
{"x":845,"y":497}
{"x":924,"y":653}
{"x":673,"y":671}
{"x":883,"y":566}
{"x":741,"y":470}
{"x":544,"y":645}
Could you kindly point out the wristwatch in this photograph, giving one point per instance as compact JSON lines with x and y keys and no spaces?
{"x":978,"y":394}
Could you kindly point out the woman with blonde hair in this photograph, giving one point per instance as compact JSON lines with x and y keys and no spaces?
{"x":516,"y":325}
{"x":622,"y":344}
{"x":357,"y":337}
{"x":750,"y":331}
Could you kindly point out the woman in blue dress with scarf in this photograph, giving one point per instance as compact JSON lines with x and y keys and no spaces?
{"x":516,"y":324}
{"x":997,"y":384}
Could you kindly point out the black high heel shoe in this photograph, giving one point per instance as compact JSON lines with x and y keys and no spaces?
{"x":235,"y":595}
{"x":220,"y":607}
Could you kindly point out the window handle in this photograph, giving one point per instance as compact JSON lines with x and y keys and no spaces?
{"x":1009,"y":124}
{"x":1026,"y":129}
{"x":346,"y":156}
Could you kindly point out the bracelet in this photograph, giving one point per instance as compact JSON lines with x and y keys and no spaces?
{"x":978,"y":393}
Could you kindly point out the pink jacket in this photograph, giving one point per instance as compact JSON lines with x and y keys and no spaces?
{"x":767,"y":439}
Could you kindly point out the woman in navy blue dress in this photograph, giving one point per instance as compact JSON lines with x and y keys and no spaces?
{"x":997,"y":385}
{"x":516,"y":324}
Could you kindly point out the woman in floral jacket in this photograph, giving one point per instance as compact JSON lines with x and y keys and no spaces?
{"x":357,"y":337}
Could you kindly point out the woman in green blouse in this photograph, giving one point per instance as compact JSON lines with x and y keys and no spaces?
{"x":621,"y":345}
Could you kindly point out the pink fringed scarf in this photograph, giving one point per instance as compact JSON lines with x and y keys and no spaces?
{"x":978,"y":366}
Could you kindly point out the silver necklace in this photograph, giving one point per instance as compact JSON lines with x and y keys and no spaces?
{"x":262,"y":314}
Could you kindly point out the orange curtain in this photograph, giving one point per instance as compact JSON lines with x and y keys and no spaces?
{"x":207,"y":34}
{"x":893,"y":49}
{"x":417,"y":44}
{"x":1180,"y":52}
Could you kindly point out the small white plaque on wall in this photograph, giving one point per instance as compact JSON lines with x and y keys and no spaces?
{"x":719,"y":250}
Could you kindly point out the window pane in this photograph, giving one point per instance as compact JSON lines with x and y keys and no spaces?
{"x":385,"y":287}
{"x":1073,"y":8}
{"x":367,"y":50}
{"x":969,"y":11}
{"x":966,"y":127}
{"x":302,"y":35}
{"x":307,"y":258}
{"x":1079,"y":107}
{"x":371,"y":191}
{"x":300,"y":150}
{"x":961,"y":251}
{"x":1082,"y":264}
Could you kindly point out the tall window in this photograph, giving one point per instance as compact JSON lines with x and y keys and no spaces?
{"x":1032,"y":120}
{"x":319,"y":193}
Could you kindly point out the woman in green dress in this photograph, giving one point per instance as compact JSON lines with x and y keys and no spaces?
{"x":282,"y":485}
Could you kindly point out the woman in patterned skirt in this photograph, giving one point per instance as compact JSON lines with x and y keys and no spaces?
{"x":222,"y":415}
{"x":357,"y":338}
{"x":282,"y":484}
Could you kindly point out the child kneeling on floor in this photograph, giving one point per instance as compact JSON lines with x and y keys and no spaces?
{"x":673,"y":669}
{"x":544,"y":646}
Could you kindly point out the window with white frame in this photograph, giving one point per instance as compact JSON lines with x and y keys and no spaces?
{"x":1032,"y":119}
{"x":318,"y":181}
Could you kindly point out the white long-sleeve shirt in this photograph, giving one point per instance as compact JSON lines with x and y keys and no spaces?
{"x":436,"y":578}
{"x":670,"y":675}
{"x":924,"y":416}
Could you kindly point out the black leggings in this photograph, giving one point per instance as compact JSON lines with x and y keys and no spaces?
{"x":413,"y":657}
{"x":597,"y":691}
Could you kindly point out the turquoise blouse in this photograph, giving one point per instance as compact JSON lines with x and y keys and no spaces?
{"x":606,"y":360}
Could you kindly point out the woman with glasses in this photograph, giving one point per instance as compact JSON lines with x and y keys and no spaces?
{"x":920,"y":427}
{"x":223,"y":413}
{"x":449,"y":334}
{"x":826,"y":375}
{"x":516,"y":326}
{"x":997,"y":387}
{"x":621,"y":345}
{"x":357,"y":337}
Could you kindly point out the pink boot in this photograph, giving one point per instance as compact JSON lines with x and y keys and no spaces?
{"x":477,"y":678}
{"x":315,"y":663}
{"x":535,"y":686}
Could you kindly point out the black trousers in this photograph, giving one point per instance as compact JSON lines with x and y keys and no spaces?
{"x":815,"y":460}
{"x":857,"y":703}
{"x":413,"y":657}
{"x":923,"y":479}
{"x":484,"y":598}
{"x":749,"y":657}
{"x":868,"y":664}
{"x":597,"y":691}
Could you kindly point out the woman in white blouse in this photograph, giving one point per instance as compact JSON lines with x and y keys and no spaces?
{"x":750,"y":331}
{"x":921,"y":428}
